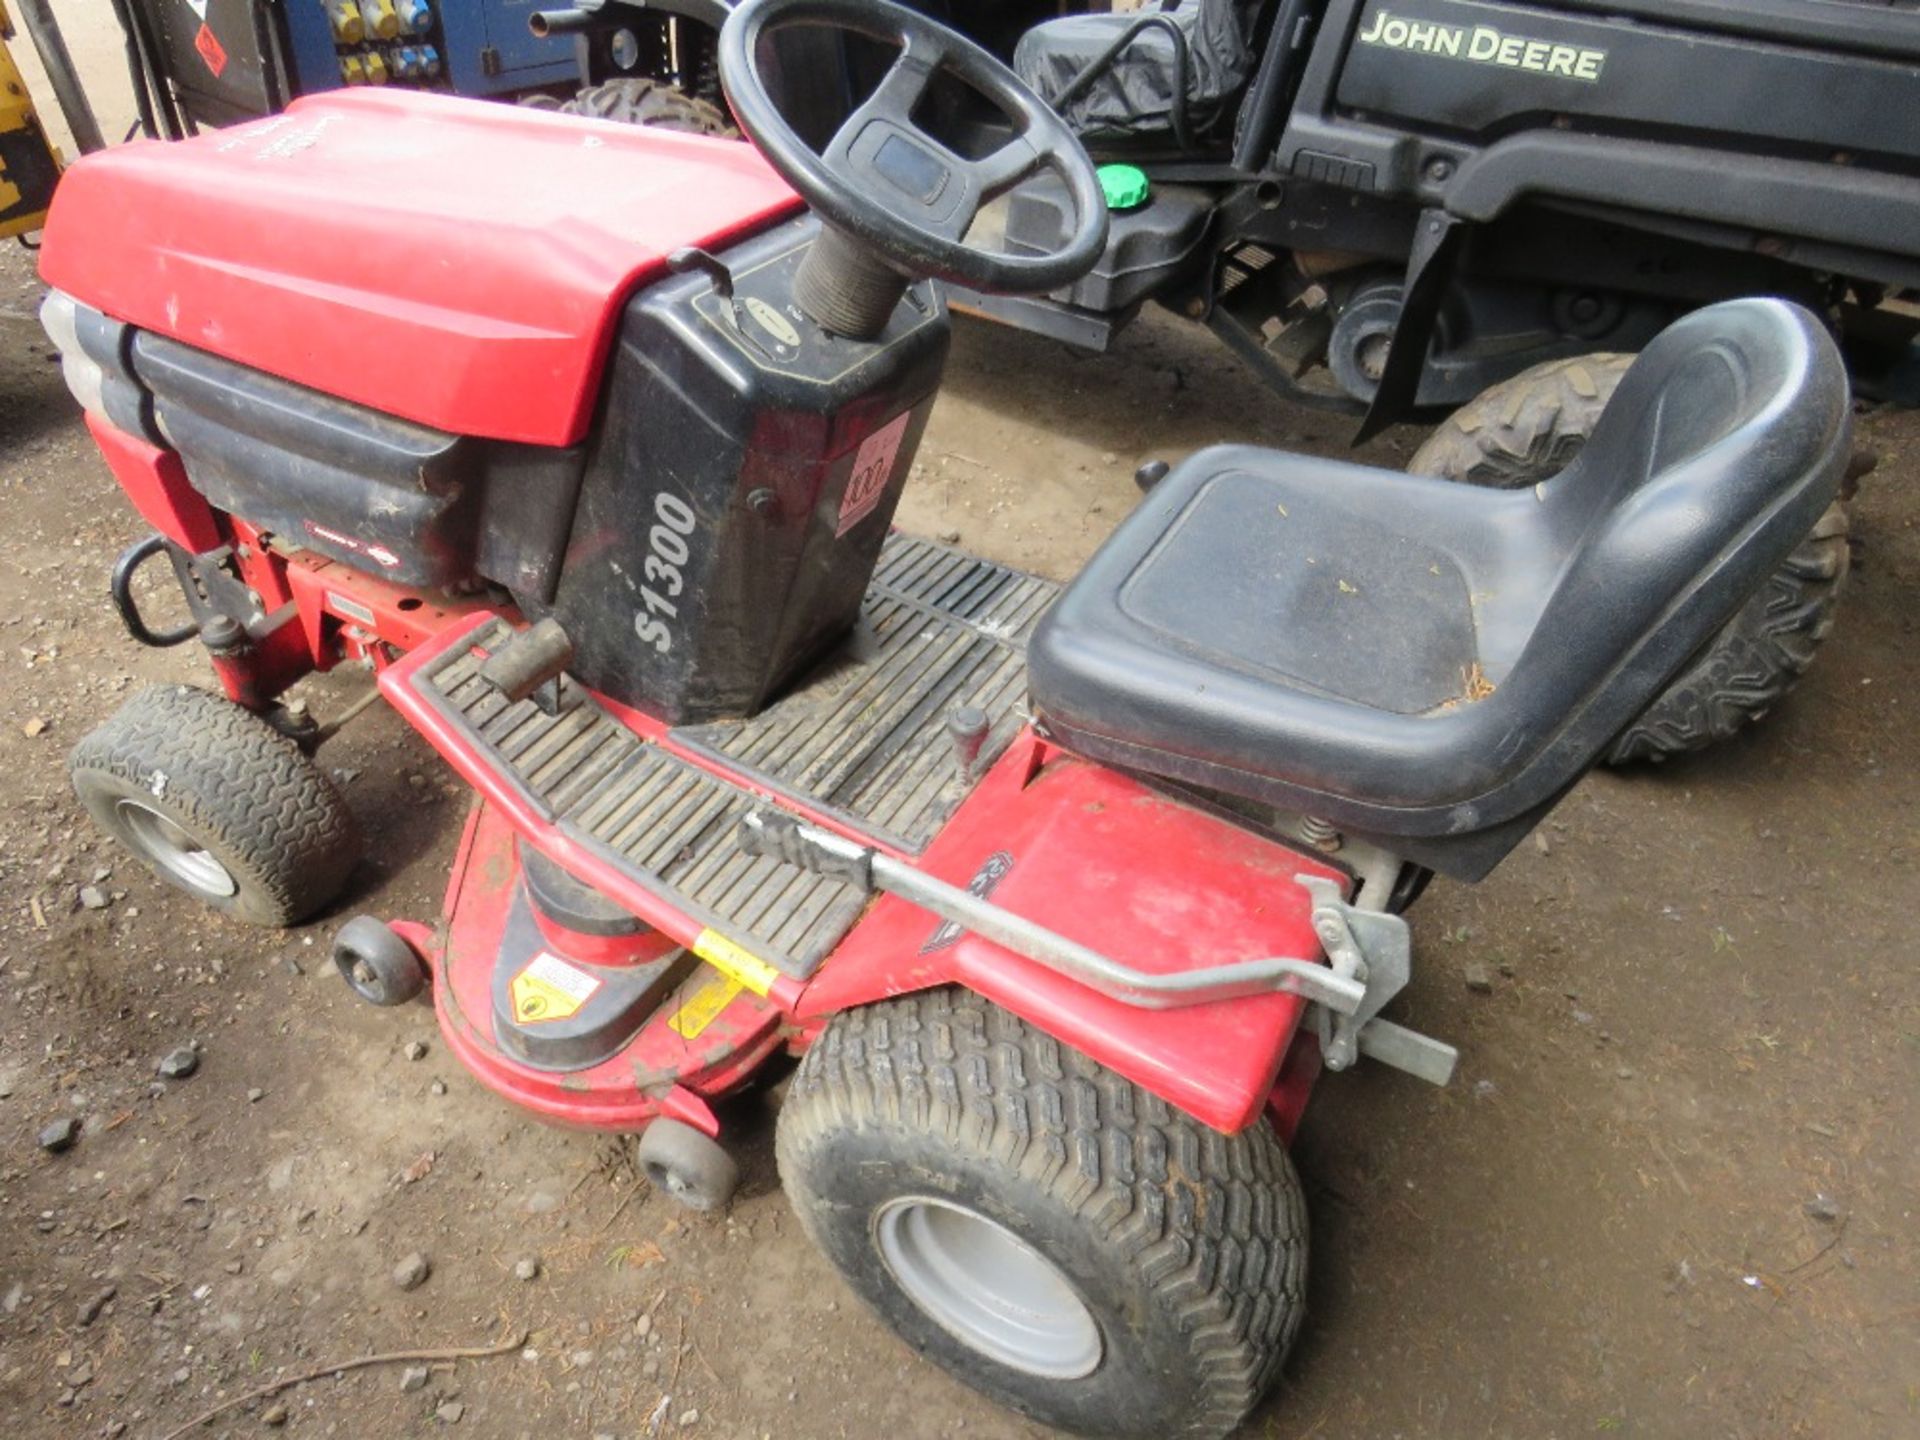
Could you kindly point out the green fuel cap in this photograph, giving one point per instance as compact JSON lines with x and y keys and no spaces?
{"x":1125,"y":186}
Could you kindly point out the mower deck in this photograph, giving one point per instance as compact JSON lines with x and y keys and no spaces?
{"x":704,"y":1034}
{"x":862,"y":740}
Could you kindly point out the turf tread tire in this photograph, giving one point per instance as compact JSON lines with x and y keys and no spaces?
{"x":1210,"y":1228}
{"x":1526,"y":429}
{"x":239,"y":787}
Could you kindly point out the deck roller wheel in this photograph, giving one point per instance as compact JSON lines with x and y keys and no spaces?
{"x":691,"y":1167}
{"x":381,"y":967}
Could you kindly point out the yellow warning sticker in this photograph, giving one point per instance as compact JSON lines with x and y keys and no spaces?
{"x":549,"y":989}
{"x":729,"y":959}
{"x":703,"y":1007}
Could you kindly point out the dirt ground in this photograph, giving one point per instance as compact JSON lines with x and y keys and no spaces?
{"x":1671,"y":1194}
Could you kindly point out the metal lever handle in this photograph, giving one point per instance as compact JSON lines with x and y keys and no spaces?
{"x":775,"y":833}
{"x":582,"y":16}
{"x":128,"y":608}
{"x":692,"y":257}
{"x":1369,"y":950}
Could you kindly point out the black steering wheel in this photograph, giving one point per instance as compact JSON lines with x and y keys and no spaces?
{"x":883,"y":182}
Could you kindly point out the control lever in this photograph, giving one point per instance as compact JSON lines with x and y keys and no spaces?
{"x":968,"y":727}
{"x":531,"y":664}
{"x":772,"y":832}
{"x":692,"y":257}
{"x":558,"y":22}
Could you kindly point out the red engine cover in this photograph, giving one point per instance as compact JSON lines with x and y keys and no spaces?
{"x":456,"y":262}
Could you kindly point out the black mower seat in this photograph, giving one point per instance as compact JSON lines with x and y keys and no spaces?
{"x":1199,"y":42}
{"x":1430,"y":665}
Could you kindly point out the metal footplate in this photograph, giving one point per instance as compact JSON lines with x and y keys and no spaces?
{"x":1369,"y":952}
{"x":663,"y":821}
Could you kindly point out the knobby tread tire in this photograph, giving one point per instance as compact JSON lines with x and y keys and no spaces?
{"x":1755,"y":660}
{"x":1201,"y":1236}
{"x":240,"y":788}
{"x":1526,"y":429}
{"x":638,"y":100}
{"x":1521,"y":431}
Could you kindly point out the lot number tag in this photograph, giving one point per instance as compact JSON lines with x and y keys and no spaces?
{"x":872,"y":468}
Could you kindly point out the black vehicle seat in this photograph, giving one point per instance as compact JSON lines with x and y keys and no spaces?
{"x":1134,"y":96}
{"x":1431,"y":665}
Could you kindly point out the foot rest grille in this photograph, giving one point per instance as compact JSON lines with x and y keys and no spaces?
{"x":865,"y":734}
{"x":669,"y":824}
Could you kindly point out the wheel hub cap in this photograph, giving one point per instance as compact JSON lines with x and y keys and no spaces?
{"x":176,"y":852}
{"x":988,"y":1288}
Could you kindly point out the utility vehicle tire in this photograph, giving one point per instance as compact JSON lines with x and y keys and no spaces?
{"x":218,"y":803}
{"x":1526,"y":429}
{"x":1045,"y":1230}
{"x":638,"y":100}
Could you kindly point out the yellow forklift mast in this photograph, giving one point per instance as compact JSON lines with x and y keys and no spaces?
{"x":29,"y":165}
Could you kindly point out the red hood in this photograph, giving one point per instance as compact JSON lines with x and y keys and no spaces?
{"x":460,"y":263}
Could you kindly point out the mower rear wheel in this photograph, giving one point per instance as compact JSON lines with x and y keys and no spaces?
{"x":1529,"y":428}
{"x":639,"y":100}
{"x":217,"y":802}
{"x":1044,"y":1229}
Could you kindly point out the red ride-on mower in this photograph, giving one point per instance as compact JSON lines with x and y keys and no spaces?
{"x":588,"y":439}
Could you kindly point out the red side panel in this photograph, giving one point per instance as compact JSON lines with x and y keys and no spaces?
{"x":456,"y":262}
{"x":1101,"y":859}
{"x":158,"y":486}
{"x":1087,"y":852}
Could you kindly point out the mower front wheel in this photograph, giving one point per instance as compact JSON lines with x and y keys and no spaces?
{"x":215,"y":801}
{"x":1045,"y":1230}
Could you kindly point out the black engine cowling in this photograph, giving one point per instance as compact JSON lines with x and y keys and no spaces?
{"x":740,"y":482}
{"x":714,"y":535}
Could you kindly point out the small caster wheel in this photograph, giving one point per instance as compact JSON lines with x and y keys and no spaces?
{"x":381,"y":967}
{"x":679,"y":1161}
